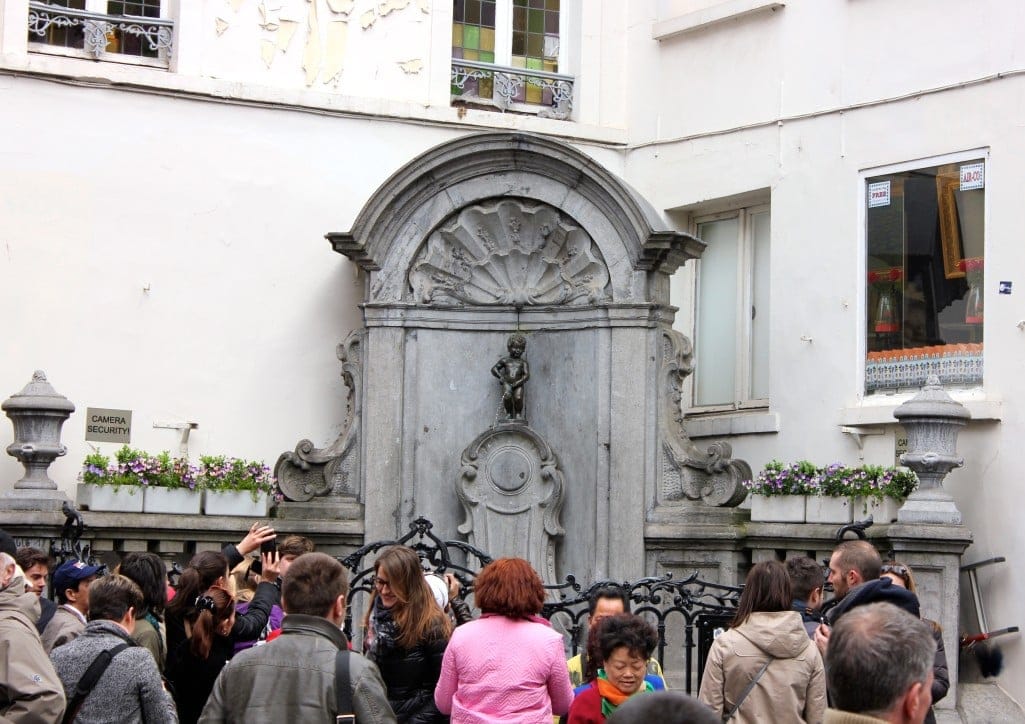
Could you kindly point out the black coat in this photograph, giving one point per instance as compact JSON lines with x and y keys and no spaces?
{"x":410,"y":676}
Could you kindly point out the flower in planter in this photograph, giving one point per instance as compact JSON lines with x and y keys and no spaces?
{"x":779,"y":479}
{"x":136,"y":468}
{"x":834,"y":480}
{"x":217,"y":472}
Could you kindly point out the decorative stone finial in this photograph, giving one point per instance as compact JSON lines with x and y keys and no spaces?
{"x":932,"y":420}
{"x":37,"y":414}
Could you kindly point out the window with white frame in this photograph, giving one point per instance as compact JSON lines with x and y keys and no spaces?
{"x":101,"y":29}
{"x":508,"y":53}
{"x":925,"y":253}
{"x":731,"y":317}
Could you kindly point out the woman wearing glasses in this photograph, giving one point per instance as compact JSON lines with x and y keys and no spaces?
{"x":405,"y":635}
{"x":901,"y":575}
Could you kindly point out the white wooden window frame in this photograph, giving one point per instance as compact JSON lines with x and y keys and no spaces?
{"x":744,"y":341}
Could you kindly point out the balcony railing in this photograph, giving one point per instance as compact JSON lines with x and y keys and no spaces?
{"x":506,"y":87}
{"x":98,"y":29}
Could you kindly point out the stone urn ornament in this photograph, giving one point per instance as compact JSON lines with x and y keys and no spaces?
{"x":37,"y":414}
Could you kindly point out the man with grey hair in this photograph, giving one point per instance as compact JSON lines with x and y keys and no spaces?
{"x":879,"y":667}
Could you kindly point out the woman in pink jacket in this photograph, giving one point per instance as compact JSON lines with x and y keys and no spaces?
{"x":508,"y":666}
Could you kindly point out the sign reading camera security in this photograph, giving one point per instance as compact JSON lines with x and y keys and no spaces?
{"x":103,"y":425}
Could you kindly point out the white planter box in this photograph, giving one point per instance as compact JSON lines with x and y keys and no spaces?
{"x":126,"y":499}
{"x":827,"y":509}
{"x":177,"y":501}
{"x":236,"y":502}
{"x":777,"y":508}
{"x":882,"y":511}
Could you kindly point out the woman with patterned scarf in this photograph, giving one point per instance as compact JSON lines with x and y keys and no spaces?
{"x":406,"y":633}
{"x":625,"y":642}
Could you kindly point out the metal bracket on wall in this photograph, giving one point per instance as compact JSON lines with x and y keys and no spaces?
{"x":184,"y":428}
{"x":860,"y":433}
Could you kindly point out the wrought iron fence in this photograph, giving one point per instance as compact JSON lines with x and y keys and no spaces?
{"x":689,"y":607}
{"x":504,"y":87}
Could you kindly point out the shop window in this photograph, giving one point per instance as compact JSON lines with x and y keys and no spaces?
{"x":925,"y":267}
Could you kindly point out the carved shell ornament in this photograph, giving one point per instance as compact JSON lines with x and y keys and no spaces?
{"x":510,"y":253}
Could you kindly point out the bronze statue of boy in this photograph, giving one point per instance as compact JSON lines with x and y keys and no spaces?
{"x":512,"y":371}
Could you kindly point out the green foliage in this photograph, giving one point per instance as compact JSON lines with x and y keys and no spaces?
{"x":834,"y":480}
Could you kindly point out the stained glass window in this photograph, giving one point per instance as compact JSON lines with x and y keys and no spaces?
{"x":473,"y":38}
{"x":512,"y":33}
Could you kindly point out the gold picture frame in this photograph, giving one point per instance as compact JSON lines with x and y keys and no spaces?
{"x":950,"y":226}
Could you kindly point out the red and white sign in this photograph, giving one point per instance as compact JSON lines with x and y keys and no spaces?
{"x":879,"y":194}
{"x":973,"y":176}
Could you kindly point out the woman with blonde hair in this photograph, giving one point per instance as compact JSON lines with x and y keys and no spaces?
{"x":405,"y":635}
{"x":509,"y":665}
{"x":765,"y":668}
{"x":199,"y":660}
{"x":902,"y":576}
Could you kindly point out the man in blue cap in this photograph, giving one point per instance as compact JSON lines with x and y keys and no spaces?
{"x":71,"y":584}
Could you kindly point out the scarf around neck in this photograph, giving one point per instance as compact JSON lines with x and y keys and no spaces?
{"x":612,"y":696}
{"x":383,"y":632}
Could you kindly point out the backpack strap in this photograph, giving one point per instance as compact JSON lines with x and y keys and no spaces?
{"x":89,"y":679}
{"x":343,"y":689}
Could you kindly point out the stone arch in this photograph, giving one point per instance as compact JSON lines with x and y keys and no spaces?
{"x":482,"y":168}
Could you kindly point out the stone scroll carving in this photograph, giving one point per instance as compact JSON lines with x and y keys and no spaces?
{"x":509,"y":252}
{"x":711,"y":476}
{"x":511,"y":490}
{"x":309,"y":472}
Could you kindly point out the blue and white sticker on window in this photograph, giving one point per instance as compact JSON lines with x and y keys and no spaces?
{"x":973,"y":176}
{"x":879,"y":194}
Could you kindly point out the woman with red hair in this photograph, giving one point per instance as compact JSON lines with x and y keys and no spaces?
{"x":508,"y":665}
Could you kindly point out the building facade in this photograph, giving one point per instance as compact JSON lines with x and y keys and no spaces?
{"x":170,"y":168}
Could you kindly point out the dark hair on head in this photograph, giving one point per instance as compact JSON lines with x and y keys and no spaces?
{"x":663,"y":707}
{"x":213,"y":608}
{"x":110,"y":597}
{"x":295,"y":545}
{"x":150,"y":574}
{"x":860,"y":556}
{"x":27,"y":556}
{"x":416,"y":612}
{"x":312,"y":584}
{"x":612,"y":591}
{"x":766,"y":588}
{"x":805,"y":576}
{"x":876,"y":653}
{"x":509,"y":587}
{"x":203,"y":571}
{"x":629,"y":630}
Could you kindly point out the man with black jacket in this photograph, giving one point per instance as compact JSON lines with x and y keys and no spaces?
{"x":854,"y":572}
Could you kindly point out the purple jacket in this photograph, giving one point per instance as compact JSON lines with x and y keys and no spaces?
{"x":273,"y":624}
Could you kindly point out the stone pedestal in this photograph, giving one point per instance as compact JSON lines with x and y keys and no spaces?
{"x":934,"y":554}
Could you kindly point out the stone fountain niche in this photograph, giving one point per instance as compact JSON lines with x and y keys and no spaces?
{"x":478,"y":239}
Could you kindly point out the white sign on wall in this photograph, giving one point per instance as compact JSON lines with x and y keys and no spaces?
{"x":104,"y":425}
{"x":879,"y":194}
{"x":973,"y":176}
{"x":900,"y":443}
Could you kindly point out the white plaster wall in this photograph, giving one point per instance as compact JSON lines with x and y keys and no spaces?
{"x":220,"y":212}
{"x":769,"y":117}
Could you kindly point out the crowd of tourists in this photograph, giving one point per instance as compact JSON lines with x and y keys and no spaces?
{"x":242,"y":638}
